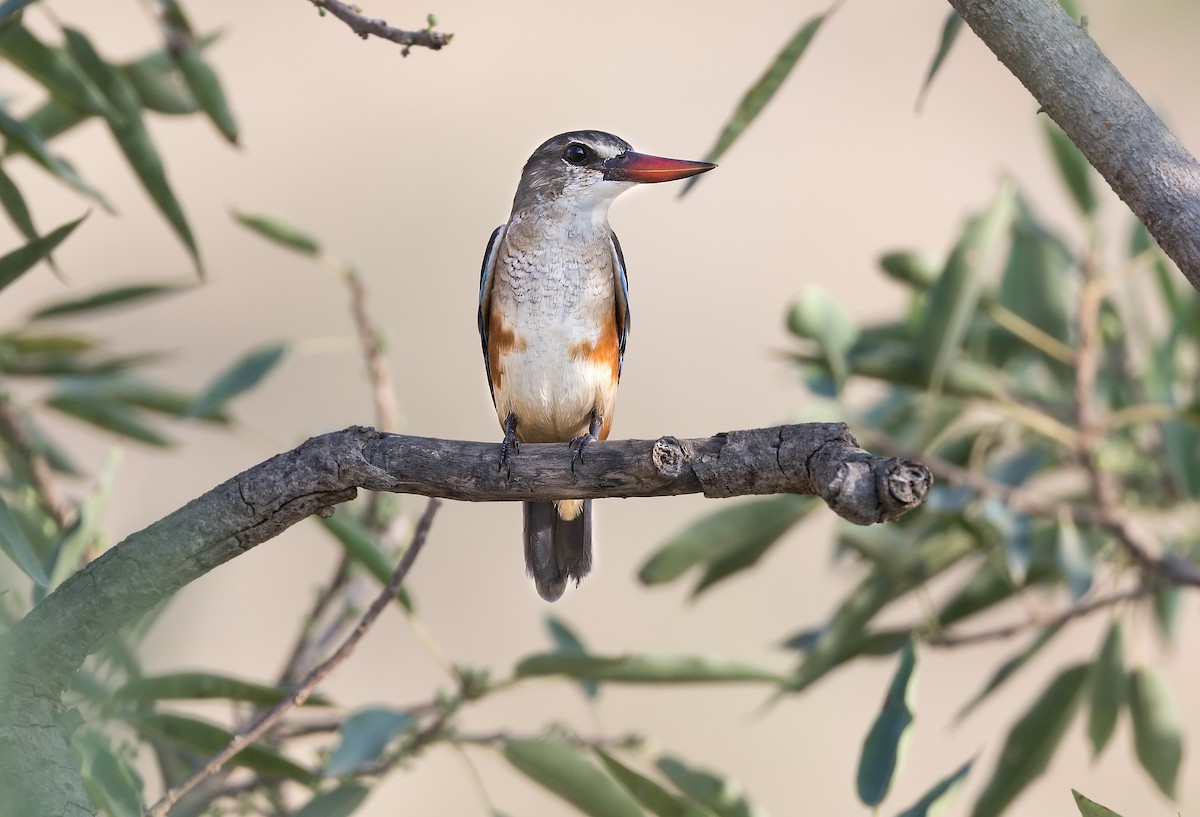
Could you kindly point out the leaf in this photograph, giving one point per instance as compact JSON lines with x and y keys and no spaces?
{"x":111,"y":783}
{"x":20,"y":136}
{"x":21,"y":260}
{"x":749,"y":552}
{"x":818,"y":316}
{"x":10,"y":7}
{"x":761,"y":92}
{"x":886,"y":743}
{"x":364,"y":736}
{"x":14,"y":204}
{"x":1166,"y":611}
{"x":569,"y":644}
{"x":904,"y":364}
{"x":280,"y":232}
{"x":131,"y":136}
{"x":1074,"y":558}
{"x":117,"y":296}
{"x":208,"y":739}
{"x":202,"y":81}
{"x":54,"y":69}
{"x":111,"y":415}
{"x":723,"y":796}
{"x":362,"y":548}
{"x":242,"y":376}
{"x":643,"y":669}
{"x":340,"y":802}
{"x":648,"y":793}
{"x":70,"y":551}
{"x":754,"y":523}
{"x":1038,"y":277}
{"x":16,"y":546}
{"x":950,"y":29}
{"x":133,"y":392}
{"x":1072,"y":167}
{"x":1156,"y":728}
{"x":159,"y":86}
{"x":565,"y":771}
{"x":1090,"y":808}
{"x":915,"y":269}
{"x":1031,"y":742}
{"x":204,"y":686}
{"x":1009,"y":668}
{"x":1107,"y":689}
{"x":938,"y":799}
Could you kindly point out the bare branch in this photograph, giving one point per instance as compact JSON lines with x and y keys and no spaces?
{"x":1083,"y":92}
{"x":366,"y":26}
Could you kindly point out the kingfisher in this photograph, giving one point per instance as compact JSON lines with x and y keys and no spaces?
{"x":554,"y":318}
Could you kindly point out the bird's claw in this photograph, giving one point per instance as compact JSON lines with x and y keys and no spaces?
{"x":509,"y":446}
{"x":577,"y":445}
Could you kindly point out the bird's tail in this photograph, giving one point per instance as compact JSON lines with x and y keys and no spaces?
{"x":557,"y":549}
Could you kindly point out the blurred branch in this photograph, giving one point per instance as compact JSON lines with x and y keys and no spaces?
{"x":314,"y":678}
{"x":366,"y":26}
{"x":1064,"y":69}
{"x":15,"y":433}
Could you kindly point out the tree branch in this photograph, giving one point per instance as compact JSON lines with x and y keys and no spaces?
{"x":1064,"y":69}
{"x":365,"y":26}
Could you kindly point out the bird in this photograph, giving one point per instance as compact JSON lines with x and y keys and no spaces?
{"x":553,"y":320}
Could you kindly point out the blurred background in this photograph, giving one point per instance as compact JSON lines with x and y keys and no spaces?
{"x":403,"y":167}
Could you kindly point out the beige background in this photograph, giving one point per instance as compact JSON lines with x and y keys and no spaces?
{"x":405,"y":166}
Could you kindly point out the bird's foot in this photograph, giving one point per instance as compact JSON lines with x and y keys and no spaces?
{"x":510,"y":445}
{"x":577,"y":445}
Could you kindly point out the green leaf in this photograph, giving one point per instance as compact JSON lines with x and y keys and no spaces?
{"x":111,"y":783}
{"x":953,"y":298}
{"x":950,"y":29}
{"x":54,"y":69}
{"x":340,"y":802}
{"x":361,"y":546}
{"x":364,"y":736}
{"x":1072,"y":167}
{"x":938,"y":799}
{"x":14,"y":204}
{"x":918,"y":270}
{"x":750,"y":551}
{"x":133,"y":392}
{"x":204,"y":686}
{"x":1156,"y":728}
{"x":202,"y":81}
{"x":1090,"y":808}
{"x":651,"y":795}
{"x":904,"y":364}
{"x":16,"y":546}
{"x":20,"y":137}
{"x":1032,"y":741}
{"x":569,"y":644}
{"x":1107,"y":689}
{"x":885,"y":745}
{"x":1037,"y":282}
{"x":208,"y":739}
{"x":117,"y":296}
{"x":242,"y":376}
{"x":1166,"y":611}
{"x":21,"y":260}
{"x":280,"y":232}
{"x":131,"y":136}
{"x":159,"y":86}
{"x":754,"y":523}
{"x":1074,"y":558}
{"x":69,"y":552}
{"x":567,"y":772}
{"x":761,"y":92}
{"x":643,"y":669}
{"x":723,"y":796}
{"x":110,"y":415}
{"x":1010,"y":667}
{"x":818,"y":316}
{"x":11,"y":7}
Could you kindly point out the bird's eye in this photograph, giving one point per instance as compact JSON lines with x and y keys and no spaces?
{"x":576,"y":154}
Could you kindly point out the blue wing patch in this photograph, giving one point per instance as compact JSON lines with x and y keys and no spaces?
{"x":622,"y":290}
{"x":485,"y":300}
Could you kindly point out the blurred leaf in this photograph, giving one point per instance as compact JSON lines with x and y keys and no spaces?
{"x":117,"y":296}
{"x":362,"y":547}
{"x":281,"y":233}
{"x":71,"y":549}
{"x":761,"y":92}
{"x":1107,"y":689}
{"x":756,"y":523}
{"x":818,"y":316}
{"x":159,"y":87}
{"x":938,"y":799}
{"x":10,"y":7}
{"x":1032,"y":741}
{"x":1090,"y":808}
{"x":111,"y":783}
{"x":648,"y":793}
{"x":1166,"y":611}
{"x":111,"y":416}
{"x":14,"y":204}
{"x":1072,"y":167}
{"x":21,"y":260}
{"x":176,"y":686}
{"x":364,"y":736}
{"x":1156,"y":728}
{"x":208,"y":739}
{"x":885,"y":745}
{"x":54,"y":69}
{"x":748,"y":553}
{"x":643,"y":669}
{"x":133,"y":392}
{"x":202,"y":81}
{"x":566,"y":771}
{"x":340,"y":802}
{"x":903,"y":364}
{"x":16,"y":546}
{"x":918,"y":270}
{"x":723,"y":796}
{"x":1037,"y":281}
{"x":1074,"y":557}
{"x":950,"y":31}
{"x":132,"y":137}
{"x":52,"y":119}
{"x":1010,"y":667}
{"x":242,"y":376}
{"x":21,"y":137}
{"x":568,"y":643}
{"x":1070,"y":8}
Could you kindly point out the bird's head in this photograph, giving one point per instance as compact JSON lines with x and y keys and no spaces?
{"x":588,"y":169}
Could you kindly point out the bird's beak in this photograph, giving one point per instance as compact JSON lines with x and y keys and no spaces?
{"x":640,"y":167}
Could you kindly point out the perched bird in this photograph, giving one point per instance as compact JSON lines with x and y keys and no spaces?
{"x":554,"y":316}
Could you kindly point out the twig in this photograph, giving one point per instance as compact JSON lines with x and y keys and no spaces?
{"x":314,"y":678}
{"x":15,"y":432}
{"x":365,"y":26}
{"x":382,"y":391}
{"x":300,"y":649}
